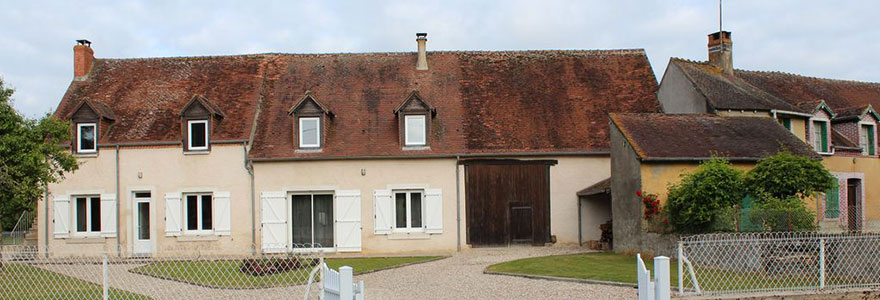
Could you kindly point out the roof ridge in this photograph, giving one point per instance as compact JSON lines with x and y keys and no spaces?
{"x":810,"y":77}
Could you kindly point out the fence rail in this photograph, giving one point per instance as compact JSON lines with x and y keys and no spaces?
{"x":750,"y":263}
{"x":32,"y":275}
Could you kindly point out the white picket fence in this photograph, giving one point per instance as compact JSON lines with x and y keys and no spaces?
{"x":337,"y":285}
{"x":659,"y":289}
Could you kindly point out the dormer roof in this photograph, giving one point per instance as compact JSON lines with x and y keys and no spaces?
{"x":415,"y":102}
{"x":309,"y":102}
{"x":209,"y":107}
{"x":100,"y":109}
{"x":855,"y":113}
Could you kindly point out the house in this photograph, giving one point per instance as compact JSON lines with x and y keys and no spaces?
{"x":651,"y":151}
{"x":362,"y":152}
{"x":835,"y":117}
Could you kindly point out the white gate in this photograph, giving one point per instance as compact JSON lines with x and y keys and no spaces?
{"x":658,"y":289}
{"x":336,"y":285}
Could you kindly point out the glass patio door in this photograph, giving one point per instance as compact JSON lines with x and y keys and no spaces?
{"x":312,"y":220}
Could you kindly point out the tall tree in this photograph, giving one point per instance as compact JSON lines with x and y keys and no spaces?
{"x":31,"y":156}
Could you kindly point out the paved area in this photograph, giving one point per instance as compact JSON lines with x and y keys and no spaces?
{"x":461,"y":277}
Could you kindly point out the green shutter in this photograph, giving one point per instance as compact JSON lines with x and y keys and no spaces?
{"x":787,"y":123}
{"x":832,"y":206}
{"x":824,"y":127}
{"x":870,"y":139}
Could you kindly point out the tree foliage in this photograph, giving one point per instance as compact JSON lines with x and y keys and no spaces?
{"x":31,"y":156}
{"x":786,"y":175}
{"x":694,"y":202}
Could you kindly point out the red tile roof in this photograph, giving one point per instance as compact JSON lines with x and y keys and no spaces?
{"x":485,"y":102}
{"x":726,"y":92}
{"x":838,"y":94}
{"x":696,"y":136}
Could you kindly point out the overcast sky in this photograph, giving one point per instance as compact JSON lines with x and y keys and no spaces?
{"x":835,"y":39}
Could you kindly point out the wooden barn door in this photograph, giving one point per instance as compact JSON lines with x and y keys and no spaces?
{"x":507,"y":201}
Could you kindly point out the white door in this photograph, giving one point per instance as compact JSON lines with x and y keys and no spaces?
{"x":143,"y":232}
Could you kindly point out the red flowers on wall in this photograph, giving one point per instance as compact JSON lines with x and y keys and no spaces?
{"x":652,"y":204}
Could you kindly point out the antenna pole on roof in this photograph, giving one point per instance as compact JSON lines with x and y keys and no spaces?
{"x":720,"y":28}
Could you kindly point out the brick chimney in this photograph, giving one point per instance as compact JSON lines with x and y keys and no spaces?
{"x":421,"y":39}
{"x":721,"y":51}
{"x":83,"y":59}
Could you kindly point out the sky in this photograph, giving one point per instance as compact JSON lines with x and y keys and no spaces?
{"x":832,"y":39}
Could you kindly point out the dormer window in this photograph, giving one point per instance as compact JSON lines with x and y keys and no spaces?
{"x":197,"y":135}
{"x":86,"y":138}
{"x":199,"y":117}
{"x":309,"y":121}
{"x":415,"y":130}
{"x":867,"y":139}
{"x":820,"y":136}
{"x":415,"y":122}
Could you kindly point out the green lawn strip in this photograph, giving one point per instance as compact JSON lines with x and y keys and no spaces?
{"x":226,"y":274}
{"x":599,"y":266}
{"x":23,"y":281}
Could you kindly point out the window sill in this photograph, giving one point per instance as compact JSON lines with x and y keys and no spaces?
{"x":203,"y":237}
{"x":309,"y":150}
{"x":414,"y":235}
{"x":86,"y":240}
{"x":825,"y":153}
{"x":197,"y":152}
{"x":416,"y":148}
{"x":86,"y":155}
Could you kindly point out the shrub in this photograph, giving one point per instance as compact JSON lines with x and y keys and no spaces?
{"x":695,"y":202}
{"x":786,"y":175}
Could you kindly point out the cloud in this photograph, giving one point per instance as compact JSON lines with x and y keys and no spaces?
{"x":836,"y":39}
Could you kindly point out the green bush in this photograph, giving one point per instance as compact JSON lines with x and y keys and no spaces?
{"x":695,"y":202}
{"x":786,"y":175}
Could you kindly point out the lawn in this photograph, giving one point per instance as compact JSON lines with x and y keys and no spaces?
{"x":23,"y":281}
{"x":226,"y":273}
{"x":603,"y":266}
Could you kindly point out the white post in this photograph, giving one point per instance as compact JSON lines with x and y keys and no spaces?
{"x":106,"y":279}
{"x":822,"y":263}
{"x":680,"y":269}
{"x":323,"y":279}
{"x":361,"y":291}
{"x":346,"y":283}
{"x":661,"y":278}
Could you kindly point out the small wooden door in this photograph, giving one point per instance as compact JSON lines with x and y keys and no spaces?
{"x":853,"y":204}
{"x":520,"y":223}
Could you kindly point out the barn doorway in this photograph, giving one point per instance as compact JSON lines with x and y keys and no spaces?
{"x":507,"y":202}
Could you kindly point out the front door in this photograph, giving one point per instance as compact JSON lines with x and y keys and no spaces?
{"x":312,"y":220}
{"x":853,"y":204}
{"x":143,"y":234}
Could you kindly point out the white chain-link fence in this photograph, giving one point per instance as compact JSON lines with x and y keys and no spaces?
{"x":29,"y":274}
{"x":757,"y":263}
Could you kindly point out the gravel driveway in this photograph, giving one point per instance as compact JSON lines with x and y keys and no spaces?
{"x":461,"y":277}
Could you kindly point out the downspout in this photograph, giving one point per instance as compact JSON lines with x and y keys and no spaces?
{"x":118,"y":198}
{"x":250,"y":169}
{"x":46,"y":218}
{"x":580,"y":225}
{"x":457,"y":204}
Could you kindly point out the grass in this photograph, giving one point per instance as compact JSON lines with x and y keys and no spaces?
{"x":603,"y":266}
{"x":226,"y":274}
{"x":23,"y":281}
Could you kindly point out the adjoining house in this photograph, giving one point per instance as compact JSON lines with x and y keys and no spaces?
{"x":651,"y":151}
{"x":366,"y":152}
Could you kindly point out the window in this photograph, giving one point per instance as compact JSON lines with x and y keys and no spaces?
{"x":198,"y":210}
{"x":312,"y":220}
{"x":408,"y":210}
{"x":197,"y":135}
{"x":786,"y":122}
{"x":867,"y":140}
{"x":310,"y":132}
{"x":88,"y":214}
{"x":86,"y":138}
{"x":415,"y":130}
{"x":820,"y":136}
{"x":832,"y":204}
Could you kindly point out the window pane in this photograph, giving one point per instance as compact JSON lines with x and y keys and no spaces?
{"x":207,"y":212}
{"x":416,"y":202}
{"x":302,"y":219}
{"x":323,"y":220}
{"x":415,"y":130}
{"x":143,"y":220}
{"x":96,"y":214}
{"x":192,"y":217}
{"x":198,"y":134}
{"x":87,"y":137}
{"x":400,"y":210}
{"x":817,"y":136}
{"x":308,"y":130}
{"x":81,"y":215}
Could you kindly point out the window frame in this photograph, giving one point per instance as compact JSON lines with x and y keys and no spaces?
{"x":871,"y":143}
{"x":824,"y":138}
{"x":79,"y":127}
{"x":90,"y":232}
{"x":406,"y":136}
{"x":199,"y":214}
{"x":408,"y":227}
{"x":189,"y":134}
{"x":289,"y":209}
{"x":299,"y":130}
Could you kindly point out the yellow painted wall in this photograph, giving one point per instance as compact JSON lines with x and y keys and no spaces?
{"x":870,"y":169}
{"x":798,"y":127}
{"x":656,"y":177}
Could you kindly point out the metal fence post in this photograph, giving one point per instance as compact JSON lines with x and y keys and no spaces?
{"x":346,"y":283}
{"x":106,"y":282}
{"x":822,"y":263}
{"x":680,"y":269}
{"x":661,"y":278}
{"x":323,"y":281}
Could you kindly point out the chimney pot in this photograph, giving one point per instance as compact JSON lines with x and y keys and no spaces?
{"x":83,"y":59}
{"x":421,"y":39}
{"x":721,"y":51}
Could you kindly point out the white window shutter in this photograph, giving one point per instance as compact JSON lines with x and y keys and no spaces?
{"x":62,"y":217}
{"x":382,"y":206}
{"x":172,"y":214}
{"x":433,"y":211}
{"x":221,"y":213}
{"x":108,"y":215}
{"x":273,"y":217}
{"x":348,"y":220}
